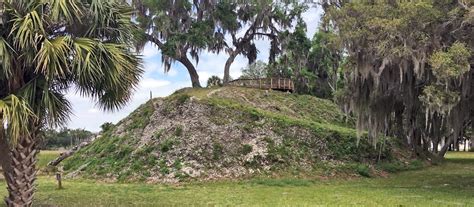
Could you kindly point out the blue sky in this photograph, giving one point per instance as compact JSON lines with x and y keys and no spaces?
{"x":88,"y":116}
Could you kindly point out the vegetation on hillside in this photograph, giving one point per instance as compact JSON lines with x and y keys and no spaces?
{"x":202,"y":133}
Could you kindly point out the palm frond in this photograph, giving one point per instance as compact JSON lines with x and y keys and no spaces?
{"x":120,"y":73}
{"x":53,"y":57}
{"x":47,"y":100}
{"x":15,"y":114}
{"x":28,"y":29}
{"x":57,"y":108}
{"x":69,"y":9}
{"x":5,"y":58}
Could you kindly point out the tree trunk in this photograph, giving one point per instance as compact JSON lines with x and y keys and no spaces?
{"x":70,"y":152}
{"x":228,"y":63}
{"x":192,"y":71}
{"x":447,"y":145}
{"x":465,"y":145}
{"x":20,"y":172}
{"x":435,"y":145}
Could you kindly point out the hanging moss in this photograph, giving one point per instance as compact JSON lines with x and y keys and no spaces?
{"x":410,"y":73}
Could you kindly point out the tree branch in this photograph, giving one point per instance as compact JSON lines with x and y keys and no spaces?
{"x":462,"y":4}
{"x":154,"y":40}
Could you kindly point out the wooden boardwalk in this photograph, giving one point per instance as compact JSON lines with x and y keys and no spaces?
{"x":281,"y":84}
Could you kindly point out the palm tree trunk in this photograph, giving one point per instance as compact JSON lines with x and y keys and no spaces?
{"x":20,"y":175}
{"x":1,"y":11}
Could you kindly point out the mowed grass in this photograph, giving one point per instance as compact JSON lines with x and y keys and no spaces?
{"x":46,"y":156}
{"x":448,"y":184}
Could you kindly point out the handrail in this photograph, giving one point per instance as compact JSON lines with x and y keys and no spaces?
{"x":273,"y":83}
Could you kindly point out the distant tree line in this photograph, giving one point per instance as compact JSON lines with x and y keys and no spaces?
{"x":64,"y":138}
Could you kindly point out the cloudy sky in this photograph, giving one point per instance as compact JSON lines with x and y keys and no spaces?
{"x":88,"y":116}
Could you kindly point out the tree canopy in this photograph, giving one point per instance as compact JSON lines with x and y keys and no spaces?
{"x":410,"y":67}
{"x":180,"y":29}
{"x":244,"y":22}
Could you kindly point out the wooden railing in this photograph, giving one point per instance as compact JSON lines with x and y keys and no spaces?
{"x":284,"y":84}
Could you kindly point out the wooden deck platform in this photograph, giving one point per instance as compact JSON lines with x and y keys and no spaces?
{"x":282,"y":84}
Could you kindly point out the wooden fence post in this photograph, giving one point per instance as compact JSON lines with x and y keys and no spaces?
{"x":59,"y":177}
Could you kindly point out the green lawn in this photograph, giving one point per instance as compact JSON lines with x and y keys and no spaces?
{"x":46,"y":156}
{"x":448,"y":184}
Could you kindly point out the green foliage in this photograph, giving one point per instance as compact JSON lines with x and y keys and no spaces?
{"x":447,"y":66}
{"x":178,"y":131}
{"x":107,"y":126}
{"x":140,"y":118}
{"x":64,"y":138}
{"x":179,"y":28}
{"x":451,"y":64}
{"x":255,"y":70}
{"x":214,"y":81}
{"x":438,"y":99}
{"x":363,"y":170}
{"x":166,"y":145}
{"x":163,"y":167}
{"x":246,"y":149}
{"x":401,"y":55}
{"x":158,"y":134}
{"x":217,"y":151}
{"x":177,"y":164}
{"x":314,"y":66}
{"x":400,"y":166}
{"x":182,"y":98}
{"x":247,"y":22}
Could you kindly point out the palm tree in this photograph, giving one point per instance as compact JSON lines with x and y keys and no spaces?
{"x":48,"y":47}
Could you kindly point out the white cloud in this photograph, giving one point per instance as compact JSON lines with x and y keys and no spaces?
{"x":87,"y":116}
{"x":150,"y":51}
{"x":149,"y":83}
{"x":93,"y":110}
{"x":172,"y":72}
{"x":312,"y":18}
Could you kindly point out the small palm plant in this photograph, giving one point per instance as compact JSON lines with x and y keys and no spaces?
{"x":214,"y":81}
{"x":48,"y":47}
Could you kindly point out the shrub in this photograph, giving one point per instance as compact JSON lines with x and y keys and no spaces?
{"x":182,"y":98}
{"x":217,"y":151}
{"x":214,"y":81}
{"x":106,"y":126}
{"x":178,"y":131}
{"x":363,"y":170}
{"x":158,"y":134}
{"x":166,"y":145}
{"x":246,"y":149}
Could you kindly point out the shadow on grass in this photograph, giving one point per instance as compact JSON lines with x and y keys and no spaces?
{"x":282,"y":182}
{"x":467,"y":161}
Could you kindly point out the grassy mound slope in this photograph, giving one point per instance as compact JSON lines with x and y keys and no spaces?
{"x":230,"y":132}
